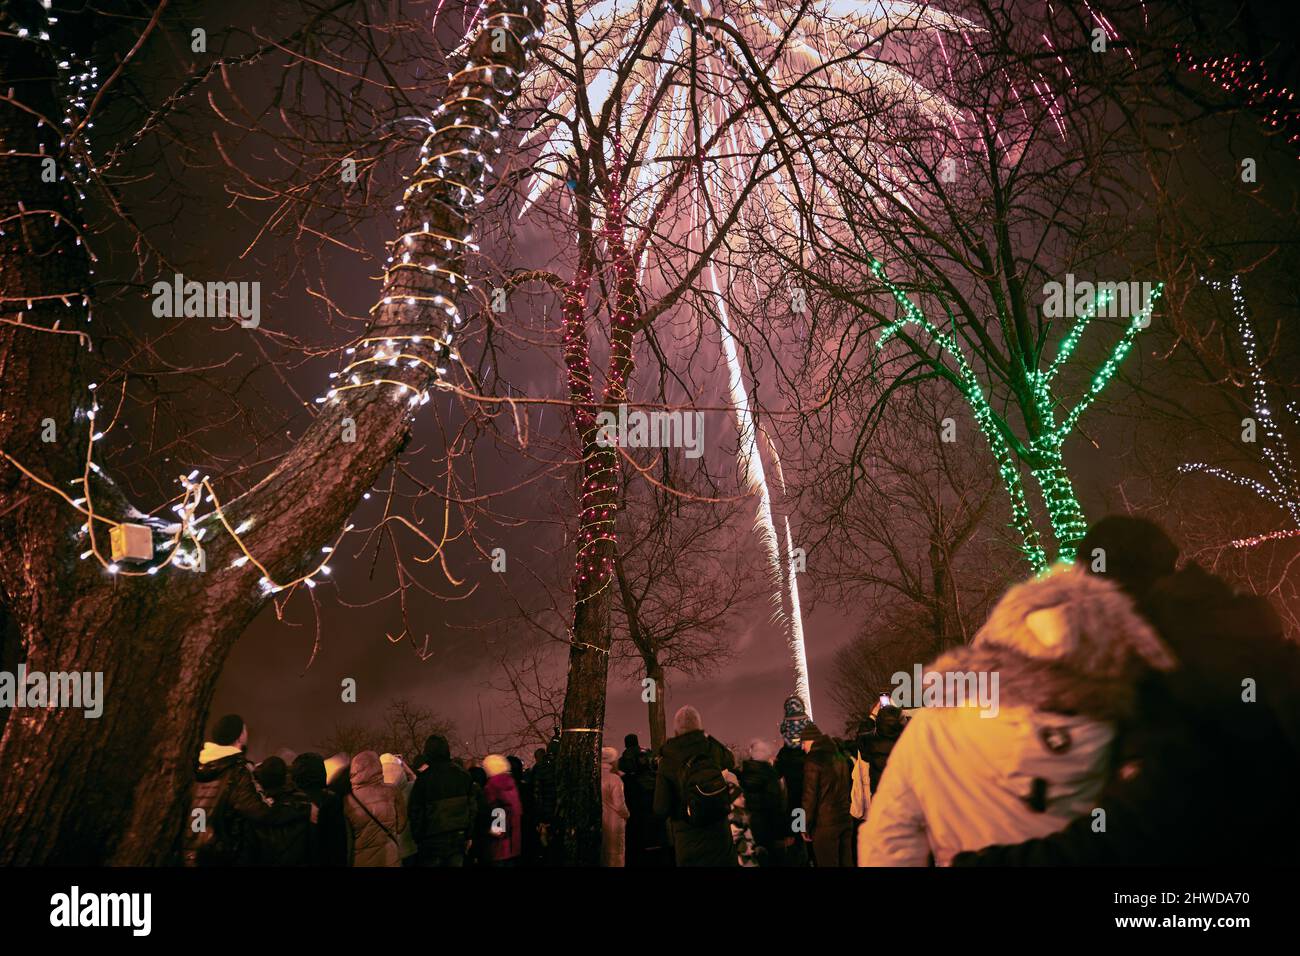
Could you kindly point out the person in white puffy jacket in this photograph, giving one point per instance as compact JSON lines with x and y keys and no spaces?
{"x":614,"y":812}
{"x":1067,"y":648}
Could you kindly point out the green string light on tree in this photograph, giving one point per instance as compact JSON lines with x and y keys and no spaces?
{"x":1044,"y":452}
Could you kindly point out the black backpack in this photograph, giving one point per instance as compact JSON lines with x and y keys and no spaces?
{"x":704,"y":791}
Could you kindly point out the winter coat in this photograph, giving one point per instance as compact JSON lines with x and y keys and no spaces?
{"x":693,"y":845}
{"x":765,"y":801}
{"x":505,"y":819}
{"x":377,"y":813}
{"x":789,"y":764}
{"x":743,"y":846}
{"x":827,"y":780}
{"x":638,"y":774}
{"x":442,"y":808}
{"x":613,"y":818}
{"x":645,"y":831}
{"x":860,"y":782}
{"x":876,"y":746}
{"x":330,"y":839}
{"x":1067,"y":648}
{"x":396,"y":774}
{"x":545,"y":788}
{"x":232,"y":805}
{"x":284,"y":838}
{"x":1194,"y":724}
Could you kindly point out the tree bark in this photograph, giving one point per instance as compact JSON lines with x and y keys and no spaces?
{"x":658,"y":723}
{"x":579,"y":805}
{"x":644,"y":644}
{"x":114,"y":789}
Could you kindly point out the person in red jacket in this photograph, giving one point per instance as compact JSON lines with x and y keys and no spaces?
{"x":505,"y":813}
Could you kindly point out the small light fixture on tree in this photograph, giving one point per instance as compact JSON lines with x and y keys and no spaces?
{"x":131,"y":542}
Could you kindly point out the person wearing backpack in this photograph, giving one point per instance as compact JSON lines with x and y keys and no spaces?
{"x":227,"y":804}
{"x":691,"y":793}
{"x":377,"y":812}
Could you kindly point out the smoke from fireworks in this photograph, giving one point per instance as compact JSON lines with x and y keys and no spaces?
{"x":688,"y":75}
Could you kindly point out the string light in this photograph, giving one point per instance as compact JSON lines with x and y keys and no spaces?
{"x":594,"y":558}
{"x":1259,"y":539}
{"x":428,"y":351}
{"x":76,"y":82}
{"x":1248,"y":80}
{"x":422,"y":255}
{"x":1282,"y":488}
{"x":1044,"y":451}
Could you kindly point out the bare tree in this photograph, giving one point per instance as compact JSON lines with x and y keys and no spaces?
{"x":113,"y":789}
{"x":402,"y":731}
{"x":944,"y":228}
{"x":681,"y":582}
{"x":917,"y":540}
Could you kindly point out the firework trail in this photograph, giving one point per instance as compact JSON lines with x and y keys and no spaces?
{"x":712,"y":43}
{"x":755,"y":478}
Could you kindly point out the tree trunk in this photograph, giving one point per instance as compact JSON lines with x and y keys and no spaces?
{"x":644,"y":644}
{"x":939,"y":595}
{"x":1063,"y":508}
{"x":578,"y":779}
{"x":113,"y":789}
{"x":579,"y":809}
{"x":658,"y":725}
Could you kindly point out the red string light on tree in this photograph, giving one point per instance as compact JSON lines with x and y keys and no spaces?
{"x":594,"y":560}
{"x":1248,"y":80}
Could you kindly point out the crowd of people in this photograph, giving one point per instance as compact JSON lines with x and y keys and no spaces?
{"x":1147,"y":714}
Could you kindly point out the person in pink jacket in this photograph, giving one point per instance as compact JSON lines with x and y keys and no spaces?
{"x":505,"y":813}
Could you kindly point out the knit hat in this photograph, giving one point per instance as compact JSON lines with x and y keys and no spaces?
{"x":308,"y":770}
{"x":394,"y":770}
{"x":494,"y":764}
{"x":609,"y":756}
{"x":272,"y":774}
{"x":795,"y":720}
{"x":228,"y":730}
{"x":337,"y":766}
{"x":436,"y":748}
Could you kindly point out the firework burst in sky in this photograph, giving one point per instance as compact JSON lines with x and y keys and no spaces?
{"x":687,"y":75}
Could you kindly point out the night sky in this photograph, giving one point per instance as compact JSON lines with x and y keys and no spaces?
{"x":266,"y":679}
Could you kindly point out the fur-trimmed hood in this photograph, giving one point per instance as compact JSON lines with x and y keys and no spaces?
{"x":1067,"y":649}
{"x":1066,"y":641}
